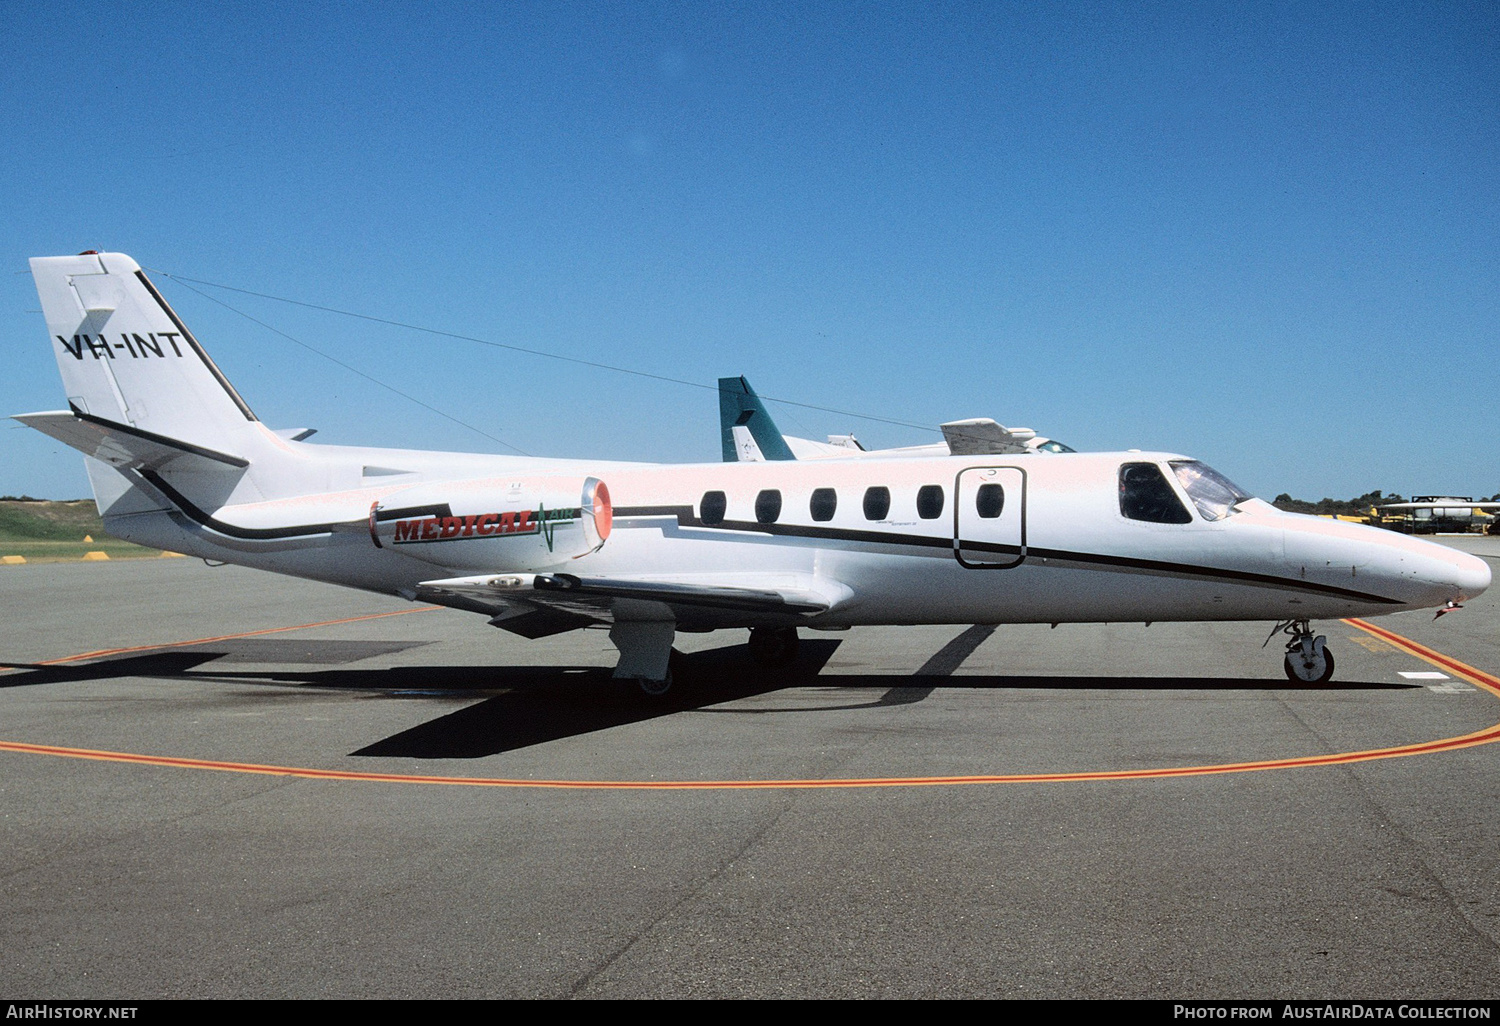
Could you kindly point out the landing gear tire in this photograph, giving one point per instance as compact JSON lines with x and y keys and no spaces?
{"x":774,"y":646}
{"x":1307,"y":660}
{"x":659,"y":688}
{"x":1316,"y":668}
{"x":655,"y":688}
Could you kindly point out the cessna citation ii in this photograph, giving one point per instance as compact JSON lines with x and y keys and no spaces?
{"x":178,"y":461}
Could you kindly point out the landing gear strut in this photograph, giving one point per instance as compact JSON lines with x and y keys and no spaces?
{"x":646,"y":654}
{"x":1308,"y":660}
{"x":773,"y":646}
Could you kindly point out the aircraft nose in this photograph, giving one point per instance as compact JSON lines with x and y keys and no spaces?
{"x":1471,"y":576}
{"x":1440,"y":573}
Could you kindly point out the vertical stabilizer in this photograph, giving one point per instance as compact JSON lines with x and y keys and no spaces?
{"x":747,"y":430}
{"x":126,"y":358}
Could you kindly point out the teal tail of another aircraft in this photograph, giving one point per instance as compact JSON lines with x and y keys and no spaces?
{"x":747,"y":431}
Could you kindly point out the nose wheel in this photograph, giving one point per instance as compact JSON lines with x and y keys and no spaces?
{"x":1308,"y":659}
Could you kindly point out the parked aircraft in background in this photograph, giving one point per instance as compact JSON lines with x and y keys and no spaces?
{"x":178,"y":460}
{"x":1433,"y":513}
{"x":1450,"y":506}
{"x":749,"y":435}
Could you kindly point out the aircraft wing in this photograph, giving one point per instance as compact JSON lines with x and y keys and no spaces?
{"x":536,"y":605}
{"x":982,"y":436}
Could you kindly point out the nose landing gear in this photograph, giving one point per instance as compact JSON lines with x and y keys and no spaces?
{"x":1308,"y":660}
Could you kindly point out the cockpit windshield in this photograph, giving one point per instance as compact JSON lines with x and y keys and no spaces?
{"x":1053,"y":445}
{"x":1213,"y":493}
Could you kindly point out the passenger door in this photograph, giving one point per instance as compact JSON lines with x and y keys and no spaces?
{"x":989,"y":518}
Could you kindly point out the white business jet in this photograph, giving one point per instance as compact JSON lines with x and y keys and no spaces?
{"x":178,"y":461}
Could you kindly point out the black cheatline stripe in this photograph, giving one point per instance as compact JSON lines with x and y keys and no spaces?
{"x":684,"y":514}
{"x":437,"y":509}
{"x":150,"y":436}
{"x":188,"y":337}
{"x":685,"y":518}
{"x":1243,"y":576}
{"x":201,"y":518}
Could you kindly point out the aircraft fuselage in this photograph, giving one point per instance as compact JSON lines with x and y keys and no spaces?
{"x":1059,"y":550}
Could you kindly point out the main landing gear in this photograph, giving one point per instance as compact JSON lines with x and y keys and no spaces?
{"x":1308,"y":660}
{"x":646,"y":654}
{"x":647,"y":658}
{"x":773,"y":646}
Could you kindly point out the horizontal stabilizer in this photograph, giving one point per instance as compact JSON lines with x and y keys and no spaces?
{"x":807,"y":449}
{"x":121,"y":445}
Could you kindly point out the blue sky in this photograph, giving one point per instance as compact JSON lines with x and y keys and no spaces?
{"x":1261,"y":234}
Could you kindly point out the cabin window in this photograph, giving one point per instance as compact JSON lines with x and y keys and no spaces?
{"x":823,"y":503}
{"x":877,"y":502}
{"x":930,"y":502}
{"x":1214,"y":494}
{"x":989,"y":501}
{"x":711,"y":508}
{"x":768,"y":506}
{"x":1145,"y":494}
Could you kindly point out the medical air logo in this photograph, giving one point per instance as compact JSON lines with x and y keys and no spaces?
{"x":542,"y":521}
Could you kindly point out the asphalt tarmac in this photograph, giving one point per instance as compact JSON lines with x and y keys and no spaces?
{"x":349,"y":809}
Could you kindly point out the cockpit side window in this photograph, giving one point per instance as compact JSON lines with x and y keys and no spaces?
{"x":1213,"y":493}
{"x":1145,"y":494}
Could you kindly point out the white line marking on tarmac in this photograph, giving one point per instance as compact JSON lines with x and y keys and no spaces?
{"x":1448,"y":687}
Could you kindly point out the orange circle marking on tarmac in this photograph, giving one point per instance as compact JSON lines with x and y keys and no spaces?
{"x":1463,"y":670}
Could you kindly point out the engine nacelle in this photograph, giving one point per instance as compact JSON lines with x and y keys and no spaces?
{"x":494,"y":523}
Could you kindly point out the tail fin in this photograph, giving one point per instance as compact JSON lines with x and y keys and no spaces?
{"x":146,"y":403}
{"x":126,"y":358}
{"x":748,"y":432}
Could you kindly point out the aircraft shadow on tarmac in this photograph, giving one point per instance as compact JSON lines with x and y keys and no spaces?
{"x":525,"y":706}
